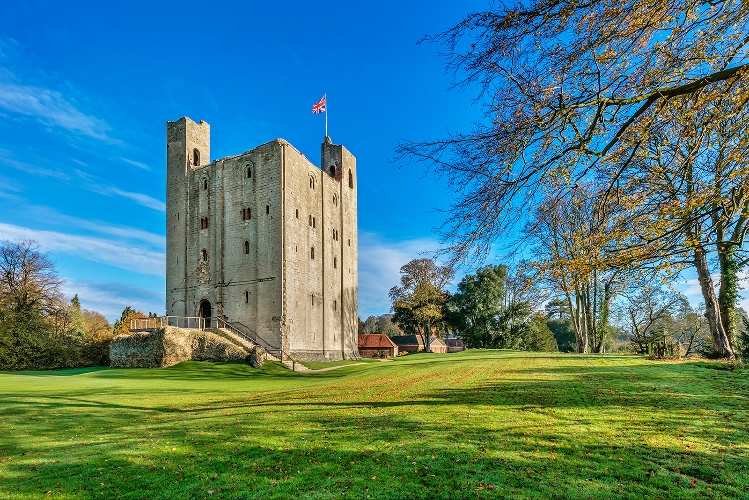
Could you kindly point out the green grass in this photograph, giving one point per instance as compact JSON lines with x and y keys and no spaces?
{"x":478,"y":424}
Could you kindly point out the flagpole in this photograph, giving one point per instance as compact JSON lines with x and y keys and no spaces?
{"x":326,"y":115}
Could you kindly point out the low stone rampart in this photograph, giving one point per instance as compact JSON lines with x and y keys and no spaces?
{"x":169,"y":346}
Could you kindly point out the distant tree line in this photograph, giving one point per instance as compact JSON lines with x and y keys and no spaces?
{"x":499,"y":309}
{"x":380,"y":324}
{"x":490,"y":309}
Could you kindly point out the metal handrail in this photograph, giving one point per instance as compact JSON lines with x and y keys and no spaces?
{"x":246,"y":330}
{"x":260,"y":341}
{"x":193,"y":322}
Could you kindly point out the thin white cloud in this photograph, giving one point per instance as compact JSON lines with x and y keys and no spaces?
{"x":93,"y":183}
{"x":50,"y":108}
{"x":137,"y":164}
{"x":33,"y":169}
{"x":41,"y":212}
{"x":140,"y":199}
{"x":113,"y":253}
{"x":8,"y":48}
{"x":379,"y":268}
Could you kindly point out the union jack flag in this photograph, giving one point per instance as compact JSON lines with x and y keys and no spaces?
{"x":319,"y":106}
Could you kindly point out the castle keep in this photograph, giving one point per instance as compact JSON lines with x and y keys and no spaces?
{"x":265,"y":240}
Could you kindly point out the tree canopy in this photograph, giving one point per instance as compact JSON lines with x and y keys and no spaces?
{"x":628,"y":116}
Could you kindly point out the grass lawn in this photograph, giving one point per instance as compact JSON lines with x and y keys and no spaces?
{"x":478,"y":424}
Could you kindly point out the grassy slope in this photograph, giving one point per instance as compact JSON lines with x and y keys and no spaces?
{"x":423,"y":426}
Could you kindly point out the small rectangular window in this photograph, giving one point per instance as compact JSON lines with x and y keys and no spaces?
{"x":204,"y":223}
{"x":246,"y":214}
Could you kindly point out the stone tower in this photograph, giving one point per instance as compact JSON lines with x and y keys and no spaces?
{"x":265,"y":240}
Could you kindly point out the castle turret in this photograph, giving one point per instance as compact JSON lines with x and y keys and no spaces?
{"x":188,"y":146}
{"x":338,"y":162}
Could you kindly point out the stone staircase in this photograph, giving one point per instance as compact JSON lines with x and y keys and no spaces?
{"x":248,"y":345}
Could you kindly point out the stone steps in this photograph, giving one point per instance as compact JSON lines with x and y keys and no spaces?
{"x":233,"y":338}
{"x":247,"y":346}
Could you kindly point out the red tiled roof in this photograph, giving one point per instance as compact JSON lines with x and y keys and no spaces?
{"x":374,"y":340}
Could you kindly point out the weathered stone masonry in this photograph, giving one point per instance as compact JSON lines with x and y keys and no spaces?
{"x":264,"y":239}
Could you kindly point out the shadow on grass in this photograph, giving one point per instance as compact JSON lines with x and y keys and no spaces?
{"x":646,"y":387}
{"x":65,"y":372}
{"x":344,"y":452}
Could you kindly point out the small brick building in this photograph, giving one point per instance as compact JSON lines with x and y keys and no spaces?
{"x":455,"y":345}
{"x":437,"y":345}
{"x":376,"y":345}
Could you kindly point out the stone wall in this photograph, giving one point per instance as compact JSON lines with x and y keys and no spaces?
{"x":169,"y":346}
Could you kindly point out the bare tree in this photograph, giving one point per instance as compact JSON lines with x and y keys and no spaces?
{"x":644,"y":314}
{"x":27,"y":277}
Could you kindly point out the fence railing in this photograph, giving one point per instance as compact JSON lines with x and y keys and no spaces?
{"x":191,"y":322}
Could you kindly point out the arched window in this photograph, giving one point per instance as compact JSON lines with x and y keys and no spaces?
{"x":312,"y":253}
{"x":249,"y":172}
{"x":350,"y":179}
{"x":205,"y":184}
{"x":312,"y":182}
{"x":204,"y":255}
{"x":246,"y":247}
{"x":335,"y":200}
{"x":196,"y":157}
{"x":267,"y":209}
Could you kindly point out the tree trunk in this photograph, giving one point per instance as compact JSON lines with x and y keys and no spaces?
{"x":721,"y":344}
{"x":604,"y":321}
{"x":577,"y":323}
{"x":427,"y":336}
{"x":728,"y":292}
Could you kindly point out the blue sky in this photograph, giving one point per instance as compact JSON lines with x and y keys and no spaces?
{"x":86,"y":89}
